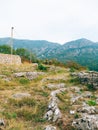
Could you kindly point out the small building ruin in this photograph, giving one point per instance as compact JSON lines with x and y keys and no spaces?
{"x":10,"y":59}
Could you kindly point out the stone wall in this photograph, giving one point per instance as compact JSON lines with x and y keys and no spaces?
{"x":10,"y":59}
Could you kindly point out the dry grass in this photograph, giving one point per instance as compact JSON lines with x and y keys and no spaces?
{"x":27,"y":113}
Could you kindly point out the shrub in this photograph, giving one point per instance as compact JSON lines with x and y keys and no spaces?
{"x":76,"y":116}
{"x":72,"y":69}
{"x":74,"y":80}
{"x":90,"y":87}
{"x":74,"y":65}
{"x":42,"y":67}
{"x":91,"y":102}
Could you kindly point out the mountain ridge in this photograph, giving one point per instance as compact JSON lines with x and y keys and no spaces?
{"x":82,"y":51}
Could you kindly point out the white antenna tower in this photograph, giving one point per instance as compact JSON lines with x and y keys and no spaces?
{"x":12,"y":28}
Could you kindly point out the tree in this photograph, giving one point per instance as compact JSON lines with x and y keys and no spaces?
{"x":5,"y":49}
{"x":25,"y":54}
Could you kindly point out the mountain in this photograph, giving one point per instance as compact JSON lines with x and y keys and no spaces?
{"x":37,"y":46}
{"x":82,"y":50}
{"x":78,"y":43}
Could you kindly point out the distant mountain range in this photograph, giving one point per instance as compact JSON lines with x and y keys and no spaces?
{"x":83,"y":51}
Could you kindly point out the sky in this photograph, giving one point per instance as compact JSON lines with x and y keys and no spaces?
{"x":53,"y":20}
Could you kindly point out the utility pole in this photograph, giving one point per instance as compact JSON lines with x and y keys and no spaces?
{"x":12,"y":28}
{"x":30,"y":56}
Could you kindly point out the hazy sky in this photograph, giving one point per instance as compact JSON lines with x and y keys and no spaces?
{"x":52,"y":20}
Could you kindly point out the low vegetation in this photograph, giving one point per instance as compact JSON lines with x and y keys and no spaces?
{"x":25,"y":54}
{"x":28,"y":112}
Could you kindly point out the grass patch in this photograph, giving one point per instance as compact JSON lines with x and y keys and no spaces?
{"x":25,"y":114}
{"x":9,"y":115}
{"x":7,"y":73}
{"x":24,"y":81}
{"x":44,"y":94}
{"x":74,"y":80}
{"x":35,"y":114}
{"x":22,"y":102}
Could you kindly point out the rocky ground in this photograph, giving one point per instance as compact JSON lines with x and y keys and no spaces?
{"x":56,"y":99}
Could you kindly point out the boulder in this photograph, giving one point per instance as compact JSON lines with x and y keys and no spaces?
{"x":86,"y":122}
{"x":74,"y":99}
{"x":33,"y":75}
{"x":53,"y":104}
{"x":74,"y":88}
{"x":2,"y":123}
{"x":20,"y":74}
{"x":61,"y":85}
{"x":57,"y":114}
{"x":87,"y":109}
{"x":50,"y":127}
{"x":89,"y":78}
{"x":21,"y":95}
{"x":2,"y":76}
{"x":97,"y":101}
{"x":29,"y":75}
{"x":72,"y":112}
{"x":53,"y":112}
{"x":35,"y":65}
{"x":7,"y":79}
{"x":53,"y":93}
{"x":49,"y":115}
{"x":87,"y":94}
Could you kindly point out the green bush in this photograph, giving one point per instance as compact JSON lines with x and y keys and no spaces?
{"x":74,"y":80}
{"x":90,"y":87}
{"x":42,"y":67}
{"x":72,"y":69}
{"x":76,"y":116}
{"x":91,"y":102}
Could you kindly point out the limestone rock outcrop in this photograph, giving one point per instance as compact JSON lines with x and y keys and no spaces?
{"x":89,"y":78}
{"x":28,"y":75}
{"x":53,"y":112}
{"x":86,"y":122}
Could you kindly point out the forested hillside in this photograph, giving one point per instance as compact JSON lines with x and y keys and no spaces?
{"x":82,"y":51}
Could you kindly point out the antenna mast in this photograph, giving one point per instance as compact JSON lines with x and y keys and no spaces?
{"x":12,"y":28}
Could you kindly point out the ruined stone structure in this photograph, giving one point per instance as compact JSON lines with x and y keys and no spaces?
{"x":10,"y":59}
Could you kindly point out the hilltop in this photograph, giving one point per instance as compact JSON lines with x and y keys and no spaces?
{"x":47,"y":97}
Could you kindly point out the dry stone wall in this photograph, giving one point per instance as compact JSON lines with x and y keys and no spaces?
{"x":10,"y":59}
